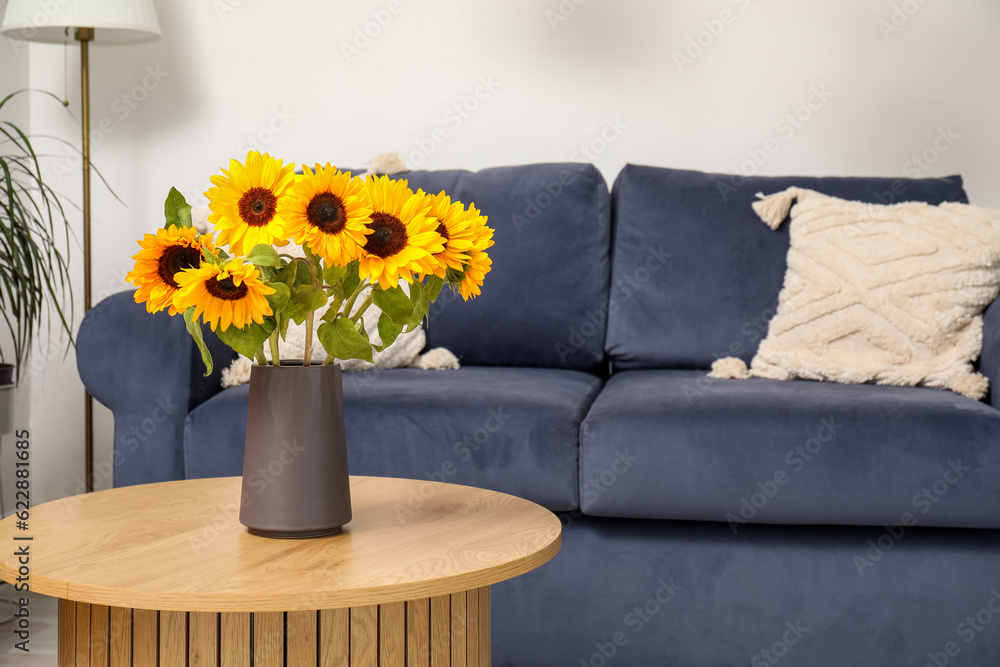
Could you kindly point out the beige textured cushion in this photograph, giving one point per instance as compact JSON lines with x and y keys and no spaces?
{"x":885,"y":294}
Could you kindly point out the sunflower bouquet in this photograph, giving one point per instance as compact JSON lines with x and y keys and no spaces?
{"x":363,"y":241}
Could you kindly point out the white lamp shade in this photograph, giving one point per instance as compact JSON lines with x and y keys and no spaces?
{"x":114,"y":21}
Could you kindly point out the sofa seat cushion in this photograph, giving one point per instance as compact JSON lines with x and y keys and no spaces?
{"x":676,"y":445}
{"x":514,"y":430}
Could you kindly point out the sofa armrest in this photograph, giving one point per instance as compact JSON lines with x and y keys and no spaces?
{"x":989,"y":360}
{"x":148,"y":371}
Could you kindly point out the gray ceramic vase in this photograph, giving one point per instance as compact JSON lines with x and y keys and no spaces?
{"x":295,"y":480}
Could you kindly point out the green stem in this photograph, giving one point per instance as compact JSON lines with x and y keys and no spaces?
{"x":273,"y":340}
{"x":308,"y":352}
{"x":354,"y":297}
{"x":329,"y":360}
{"x":261,"y":359}
{"x":362,"y":308}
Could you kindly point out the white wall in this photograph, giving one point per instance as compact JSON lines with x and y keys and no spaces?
{"x":13,"y":76}
{"x":232,"y":69}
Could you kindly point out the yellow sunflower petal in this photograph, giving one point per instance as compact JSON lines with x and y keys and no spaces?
{"x":163,"y":255}
{"x":224,"y":296}
{"x":400,"y":234}
{"x":247,"y":198}
{"x":328,"y":212}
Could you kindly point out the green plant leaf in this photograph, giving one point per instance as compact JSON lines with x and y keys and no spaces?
{"x":304,"y":299}
{"x":421,"y":303}
{"x":283,"y":321}
{"x":176,"y":210}
{"x":263,"y":254}
{"x":194,"y":328}
{"x":247,"y":340}
{"x":454,"y":277}
{"x":388,"y":331}
{"x":351,"y":279}
{"x":216,"y":260}
{"x":288,"y":273}
{"x":342,"y":339}
{"x":394,"y":303}
{"x":280,"y":298}
{"x":333,"y":274}
{"x":34,"y":248}
{"x":433,"y":286}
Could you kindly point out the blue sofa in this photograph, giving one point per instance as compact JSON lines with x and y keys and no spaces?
{"x":707,"y":522}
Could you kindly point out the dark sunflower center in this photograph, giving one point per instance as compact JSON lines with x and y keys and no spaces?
{"x":175,"y":259}
{"x":226,"y":289}
{"x":443,"y":231}
{"x":388,"y":235}
{"x":326,"y":213}
{"x":257,"y":206}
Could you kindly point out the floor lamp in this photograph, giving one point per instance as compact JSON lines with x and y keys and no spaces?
{"x":86,"y":21}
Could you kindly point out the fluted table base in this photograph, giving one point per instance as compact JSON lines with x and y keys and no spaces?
{"x":445,"y":631}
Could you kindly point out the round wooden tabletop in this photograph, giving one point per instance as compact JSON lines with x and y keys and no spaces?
{"x":179,"y":546}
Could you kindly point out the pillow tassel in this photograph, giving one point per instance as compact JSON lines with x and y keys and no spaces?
{"x":729,"y":368}
{"x":773,"y":209}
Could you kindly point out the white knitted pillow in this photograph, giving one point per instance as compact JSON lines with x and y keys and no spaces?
{"x":885,"y":294}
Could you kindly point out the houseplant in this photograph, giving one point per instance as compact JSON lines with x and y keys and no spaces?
{"x":364,"y":242}
{"x":34,"y":250}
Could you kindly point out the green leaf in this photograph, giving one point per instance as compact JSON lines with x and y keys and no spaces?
{"x":433,"y":286}
{"x":247,"y":340}
{"x":333,"y":274}
{"x":352,"y":278}
{"x":454,"y":277}
{"x":388,"y":331}
{"x":280,"y":298}
{"x":214,"y":259}
{"x":287,"y":274}
{"x":263,"y":254}
{"x":176,"y":210}
{"x":305,"y":298}
{"x":283,"y":321}
{"x":421,"y":303}
{"x":394,"y":303}
{"x":194,"y":329}
{"x":344,"y":340}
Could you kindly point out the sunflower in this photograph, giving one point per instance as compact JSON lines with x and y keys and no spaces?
{"x":458,"y":227}
{"x":230,"y":295}
{"x":403,"y":238}
{"x":328,"y":211}
{"x":479,"y":263}
{"x":163,"y":255}
{"x":245,"y":199}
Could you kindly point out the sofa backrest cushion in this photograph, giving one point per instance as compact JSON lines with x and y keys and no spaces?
{"x":550,"y":267}
{"x":696,"y":274}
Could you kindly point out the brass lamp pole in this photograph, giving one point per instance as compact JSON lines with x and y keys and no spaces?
{"x":85,"y":36}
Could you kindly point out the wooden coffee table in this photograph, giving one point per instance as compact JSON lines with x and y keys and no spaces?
{"x":164,"y":574}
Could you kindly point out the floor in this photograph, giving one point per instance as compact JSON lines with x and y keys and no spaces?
{"x":44,"y":633}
